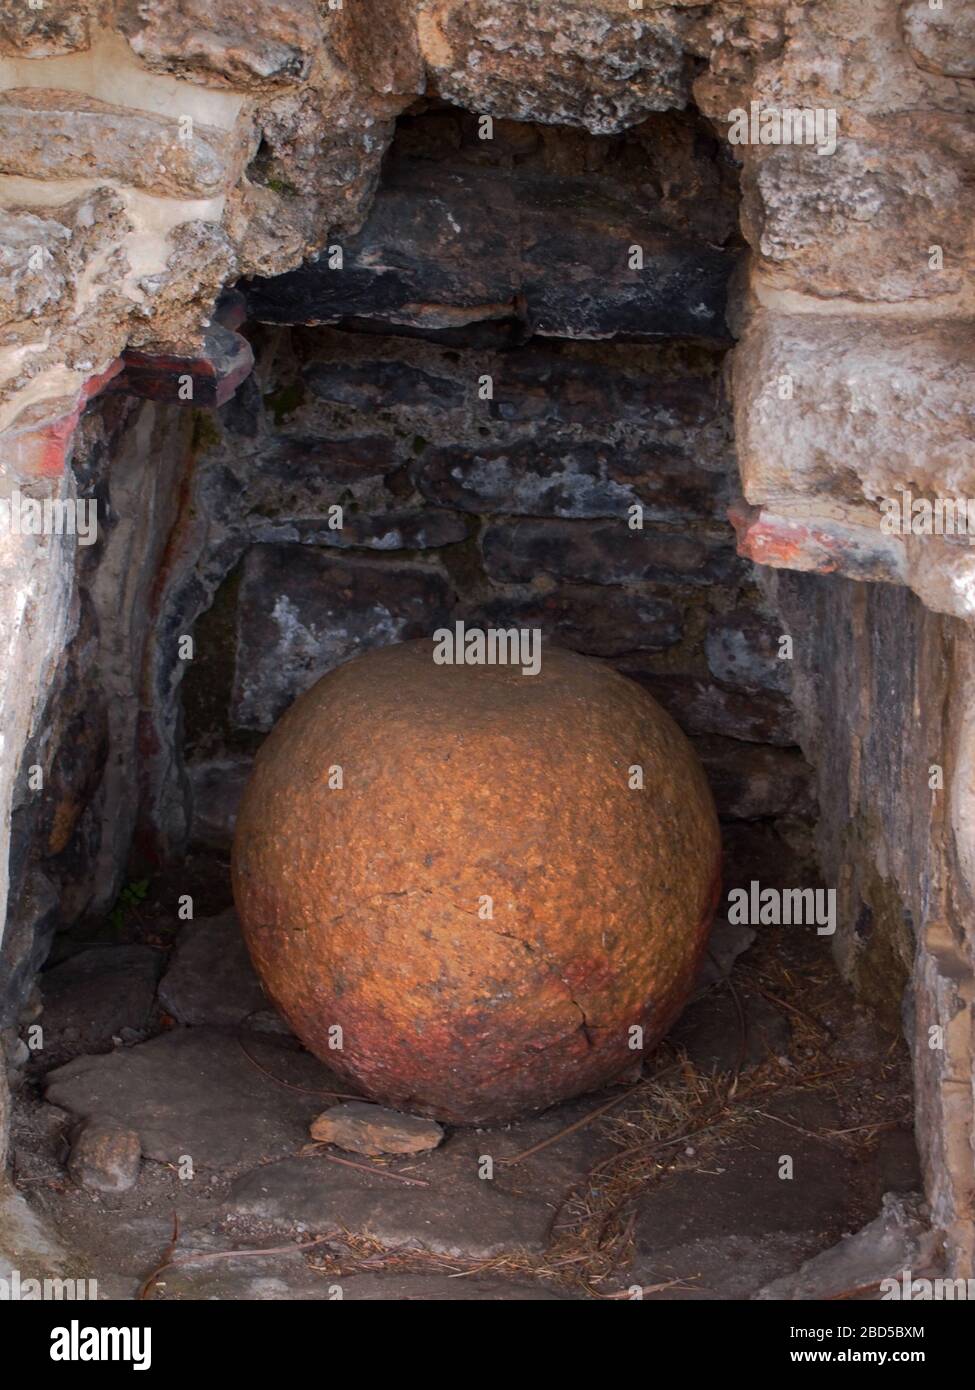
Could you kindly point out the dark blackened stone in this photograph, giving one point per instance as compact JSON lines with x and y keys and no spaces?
{"x":577,"y":280}
{"x":242,"y":414}
{"x":704,"y":707}
{"x":298,"y":460}
{"x":446,"y":246}
{"x":381,"y":383}
{"x":216,"y":787}
{"x":428,"y":255}
{"x":555,"y":477}
{"x":597,"y":622}
{"x":302,"y":612}
{"x":224,"y":361}
{"x":754,"y":780}
{"x":210,"y":978}
{"x":541,"y":383}
{"x":394,"y":530}
{"x":607,"y":552}
{"x":743,"y":652}
{"x":33,"y":919}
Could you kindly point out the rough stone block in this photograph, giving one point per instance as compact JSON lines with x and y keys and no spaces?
{"x":559,"y":476}
{"x":751,"y":781}
{"x":439,"y":253}
{"x":743,"y":652}
{"x":606,"y":552}
{"x":704,"y":707}
{"x":861,"y":223}
{"x":207,"y":380}
{"x":105,"y":1157}
{"x":812,"y":537}
{"x":292,"y":468}
{"x":671,"y":407}
{"x":376,"y":382}
{"x":50,"y":134}
{"x":33,"y":277}
{"x":597,"y":65}
{"x":362,"y":1128}
{"x":941,"y":40}
{"x":92,"y":996}
{"x":216,"y":787}
{"x":596,"y":621}
{"x":194,"y":1091}
{"x":379,"y":43}
{"x":302,"y":612}
{"x":210,"y":978}
{"x":253,"y":44}
{"x":848,"y":410}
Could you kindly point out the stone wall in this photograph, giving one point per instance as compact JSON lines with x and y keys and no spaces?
{"x":504,"y":512}
{"x":884,"y":692}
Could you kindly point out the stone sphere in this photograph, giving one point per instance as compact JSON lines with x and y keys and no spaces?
{"x":455,"y":889}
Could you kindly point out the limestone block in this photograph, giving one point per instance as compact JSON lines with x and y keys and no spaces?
{"x":849,"y":409}
{"x":597,"y":65}
{"x":44,"y":255}
{"x":50,"y":134}
{"x":378,"y":41}
{"x":865,"y":222}
{"x":251,"y":44}
{"x":33,"y":277}
{"x":846,"y":54}
{"x":941,"y":40}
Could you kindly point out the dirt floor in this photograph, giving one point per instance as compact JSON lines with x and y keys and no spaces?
{"x":769,"y":1125}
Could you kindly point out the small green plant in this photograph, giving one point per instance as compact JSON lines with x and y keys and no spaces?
{"x":130,"y":897}
{"x":285,"y":400}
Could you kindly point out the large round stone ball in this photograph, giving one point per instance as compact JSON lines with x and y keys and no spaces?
{"x":472,"y":891}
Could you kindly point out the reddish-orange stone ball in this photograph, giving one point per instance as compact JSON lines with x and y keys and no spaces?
{"x":453,"y":872}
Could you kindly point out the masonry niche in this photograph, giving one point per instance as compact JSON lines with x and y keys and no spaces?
{"x":502,"y":402}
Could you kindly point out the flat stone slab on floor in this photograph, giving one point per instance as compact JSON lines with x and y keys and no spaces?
{"x":286,"y":1278}
{"x":898,"y":1239}
{"x":193,"y":1091}
{"x":459,"y":1214}
{"x":733,"y":1224}
{"x":710,"y":1032}
{"x":210,"y":979}
{"x":92,"y":996}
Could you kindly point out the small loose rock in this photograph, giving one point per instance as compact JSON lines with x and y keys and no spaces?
{"x":371,"y":1129}
{"x":105,"y":1157}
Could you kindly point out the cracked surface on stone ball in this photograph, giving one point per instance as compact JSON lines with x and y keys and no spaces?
{"x":468,"y":790}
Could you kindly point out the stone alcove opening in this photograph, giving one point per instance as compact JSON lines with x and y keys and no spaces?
{"x":487,"y":385}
